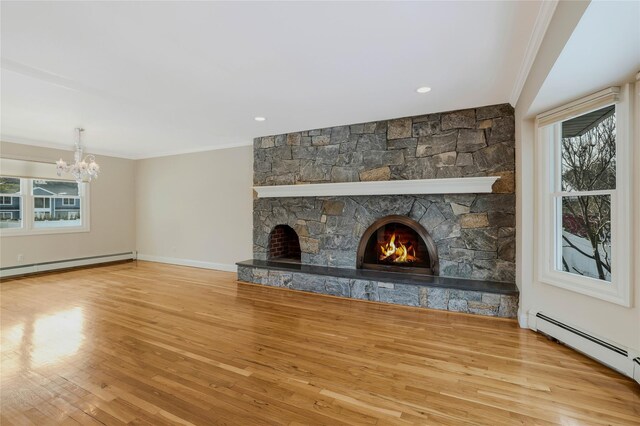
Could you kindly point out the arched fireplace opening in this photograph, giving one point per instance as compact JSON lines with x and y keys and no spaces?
{"x":398,"y":244}
{"x":284,"y":244}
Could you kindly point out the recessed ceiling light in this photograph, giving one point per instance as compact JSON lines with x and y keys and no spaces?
{"x":259,"y":118}
{"x":423,"y":89}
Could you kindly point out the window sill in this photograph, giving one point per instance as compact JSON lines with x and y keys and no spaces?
{"x":608,"y":292}
{"x":8,"y":232}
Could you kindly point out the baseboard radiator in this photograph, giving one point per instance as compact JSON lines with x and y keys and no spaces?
{"x":610,"y":354}
{"x":34,"y":268}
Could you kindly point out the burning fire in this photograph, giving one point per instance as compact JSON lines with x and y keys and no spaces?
{"x":397,"y":253}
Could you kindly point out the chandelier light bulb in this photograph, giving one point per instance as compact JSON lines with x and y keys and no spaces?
{"x":83,"y":169}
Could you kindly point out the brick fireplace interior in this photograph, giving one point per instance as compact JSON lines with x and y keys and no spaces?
{"x":284,"y":244}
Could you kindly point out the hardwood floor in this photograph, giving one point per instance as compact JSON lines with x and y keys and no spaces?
{"x":152,"y":344}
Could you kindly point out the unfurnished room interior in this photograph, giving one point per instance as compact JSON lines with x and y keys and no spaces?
{"x":320,"y":213}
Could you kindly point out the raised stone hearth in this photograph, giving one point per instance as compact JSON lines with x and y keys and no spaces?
{"x":457,"y":295}
{"x":472,"y":235}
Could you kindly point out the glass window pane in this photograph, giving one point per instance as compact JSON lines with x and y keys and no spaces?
{"x":10,"y":203}
{"x":9,"y":185}
{"x":52,"y":188}
{"x":586,"y":236}
{"x":11,"y":212}
{"x":589,"y":151}
{"x":50,"y":209}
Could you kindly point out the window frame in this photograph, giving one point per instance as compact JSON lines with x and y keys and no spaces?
{"x":28,"y":214}
{"x":549,"y":222}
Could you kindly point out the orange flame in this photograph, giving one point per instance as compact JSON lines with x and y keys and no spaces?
{"x":397,"y":253}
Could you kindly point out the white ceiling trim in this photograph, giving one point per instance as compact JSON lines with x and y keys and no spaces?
{"x":65,"y":147}
{"x":194,"y":150}
{"x":22,"y":69}
{"x":545,"y":14}
{"x":107,"y":153}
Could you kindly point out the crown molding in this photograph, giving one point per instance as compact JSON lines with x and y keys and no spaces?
{"x":193,"y":150}
{"x":107,"y":153}
{"x":545,"y":14}
{"x":64,"y":147}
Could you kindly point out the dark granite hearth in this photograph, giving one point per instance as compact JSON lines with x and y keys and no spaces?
{"x":489,"y":298}
{"x":390,"y":277}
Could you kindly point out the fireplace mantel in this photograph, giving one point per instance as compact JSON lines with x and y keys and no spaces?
{"x":465,"y":185}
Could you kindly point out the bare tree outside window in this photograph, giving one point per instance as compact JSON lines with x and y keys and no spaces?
{"x":588,"y":165}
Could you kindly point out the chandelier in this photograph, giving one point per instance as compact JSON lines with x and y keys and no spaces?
{"x":83,"y":169}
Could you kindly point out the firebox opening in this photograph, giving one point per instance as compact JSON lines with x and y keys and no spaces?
{"x":284,"y":244}
{"x":398,"y":244}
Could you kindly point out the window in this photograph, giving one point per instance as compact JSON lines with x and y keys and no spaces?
{"x":584,"y":178}
{"x":42,"y":203}
{"x":586,"y":184}
{"x":50,"y":211}
{"x":50,"y":206}
{"x":10,"y":203}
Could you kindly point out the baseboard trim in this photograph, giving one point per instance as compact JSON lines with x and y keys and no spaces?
{"x":34,"y":268}
{"x":188,"y":262}
{"x":523,"y":320}
{"x":609,"y":353}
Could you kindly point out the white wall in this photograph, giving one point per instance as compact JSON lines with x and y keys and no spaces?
{"x":196,"y":209}
{"x":112,"y":214}
{"x":614,"y":323}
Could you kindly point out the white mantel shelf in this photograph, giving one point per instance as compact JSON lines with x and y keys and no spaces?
{"x":467,"y":185}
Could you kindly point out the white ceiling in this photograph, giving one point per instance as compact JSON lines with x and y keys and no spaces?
{"x":157,"y":78}
{"x":604,"y":50}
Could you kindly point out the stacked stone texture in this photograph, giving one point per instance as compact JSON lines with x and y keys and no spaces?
{"x":473,"y":142}
{"x":474,"y":233}
{"x":475,"y":302}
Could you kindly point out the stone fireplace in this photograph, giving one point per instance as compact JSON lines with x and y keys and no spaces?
{"x":446,"y":251}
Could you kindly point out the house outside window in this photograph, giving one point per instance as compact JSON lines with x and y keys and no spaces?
{"x":50,"y":206}
{"x":584,"y":180}
{"x":10,"y":203}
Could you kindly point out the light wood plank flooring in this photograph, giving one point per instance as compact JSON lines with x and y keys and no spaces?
{"x":151,"y":344}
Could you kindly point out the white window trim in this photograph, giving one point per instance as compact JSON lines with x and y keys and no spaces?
{"x":618,"y":291}
{"x":27,"y":223}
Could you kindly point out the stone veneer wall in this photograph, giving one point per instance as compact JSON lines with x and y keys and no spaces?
{"x":474,"y":233}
